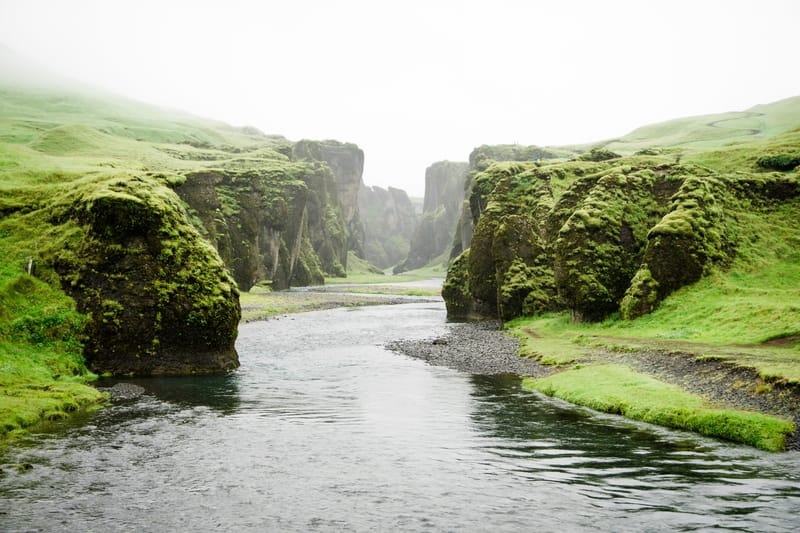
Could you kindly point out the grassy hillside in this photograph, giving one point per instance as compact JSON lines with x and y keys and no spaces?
{"x":699,"y":133}
{"x":58,"y":149}
{"x":679,"y":261}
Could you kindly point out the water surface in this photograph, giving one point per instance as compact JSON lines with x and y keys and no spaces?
{"x":322,"y":429}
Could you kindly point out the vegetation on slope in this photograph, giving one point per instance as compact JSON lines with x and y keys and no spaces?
{"x":618,"y":389}
{"x":628,"y":260}
{"x":42,"y":371}
{"x":618,"y":235}
{"x":103,"y":266}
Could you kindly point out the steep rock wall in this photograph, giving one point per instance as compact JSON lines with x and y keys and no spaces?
{"x":346,"y":161}
{"x":480,"y":159}
{"x":258,"y":222}
{"x":389,"y":221}
{"x":444,"y":195}
{"x":158,"y":298}
{"x":598,"y":236}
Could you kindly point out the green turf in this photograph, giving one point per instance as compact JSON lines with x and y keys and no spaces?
{"x":618,"y":389}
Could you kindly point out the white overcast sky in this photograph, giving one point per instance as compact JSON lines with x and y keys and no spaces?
{"x":413,"y":82}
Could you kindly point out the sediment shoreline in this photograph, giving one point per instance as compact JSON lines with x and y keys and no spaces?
{"x":482,"y":348}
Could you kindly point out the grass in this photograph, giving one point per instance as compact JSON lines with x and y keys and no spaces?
{"x":706,"y":132}
{"x":54,"y":143}
{"x":618,"y":389}
{"x":42,"y":374}
{"x":730,"y":315}
{"x":397,"y":290}
{"x":361,"y":277}
{"x":550,"y":350}
{"x":262,"y":305}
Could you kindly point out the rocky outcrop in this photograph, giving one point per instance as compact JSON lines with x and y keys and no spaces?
{"x":389,"y":221}
{"x":257,"y":221}
{"x":346,"y":161}
{"x":598,"y":235}
{"x":283,"y":222}
{"x":475,"y":196}
{"x":157,"y":297}
{"x":444,"y":195}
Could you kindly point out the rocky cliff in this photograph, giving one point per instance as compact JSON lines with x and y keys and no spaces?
{"x":444,"y":195}
{"x":145,"y":223}
{"x":479,"y":160}
{"x":283,"y":220}
{"x":599,"y":235}
{"x":156,"y":297}
{"x":389,"y":222}
{"x":258,"y":222}
{"x":346,"y":161}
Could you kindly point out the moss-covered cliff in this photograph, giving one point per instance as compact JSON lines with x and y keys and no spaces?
{"x":156,"y":297}
{"x":600,"y":235}
{"x":389,"y":221}
{"x":88,"y":195}
{"x":346,"y":161}
{"x":444,"y":195}
{"x":474,"y":196}
{"x":279,"y":222}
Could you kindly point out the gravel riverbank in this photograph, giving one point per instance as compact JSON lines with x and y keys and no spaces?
{"x":481,"y":348}
{"x":473,"y":347}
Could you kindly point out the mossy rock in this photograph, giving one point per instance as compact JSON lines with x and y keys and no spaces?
{"x":522,"y":268}
{"x":684,"y":244}
{"x":259,"y":219}
{"x":641,"y":298}
{"x":158,"y":298}
{"x":455,"y":290}
{"x":599,"y":248}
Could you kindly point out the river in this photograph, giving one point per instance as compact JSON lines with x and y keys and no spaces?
{"x":322,"y":429}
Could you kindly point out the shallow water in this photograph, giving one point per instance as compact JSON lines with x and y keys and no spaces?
{"x":322,"y":429}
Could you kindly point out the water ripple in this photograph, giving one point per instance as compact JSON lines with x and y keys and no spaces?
{"x":324,"y":430}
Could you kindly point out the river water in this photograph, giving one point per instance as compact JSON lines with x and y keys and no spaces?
{"x":322,"y":429}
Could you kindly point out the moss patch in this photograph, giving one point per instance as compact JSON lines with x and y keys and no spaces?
{"x":619,"y":390}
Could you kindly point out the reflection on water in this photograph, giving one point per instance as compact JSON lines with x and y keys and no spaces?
{"x":220,"y":392}
{"x":324,"y":430}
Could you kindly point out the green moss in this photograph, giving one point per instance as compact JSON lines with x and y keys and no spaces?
{"x":455,"y":289}
{"x":618,"y":235}
{"x":641,"y":297}
{"x":619,"y":390}
{"x":781,"y":162}
{"x":599,"y":154}
{"x":42,"y":371}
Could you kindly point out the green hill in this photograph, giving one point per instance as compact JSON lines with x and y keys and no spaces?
{"x":679,"y":238}
{"x":125,"y":230}
{"x":699,"y":133}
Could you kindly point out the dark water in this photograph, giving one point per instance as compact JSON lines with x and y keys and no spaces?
{"x":323,"y":430}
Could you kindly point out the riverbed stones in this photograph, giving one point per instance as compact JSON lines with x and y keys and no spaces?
{"x":473,"y":347}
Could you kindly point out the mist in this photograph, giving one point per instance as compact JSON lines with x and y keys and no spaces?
{"x":416,"y":82}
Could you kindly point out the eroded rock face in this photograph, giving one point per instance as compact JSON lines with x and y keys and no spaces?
{"x":444,"y":195}
{"x":598,"y":236}
{"x":158,"y":297}
{"x":286,"y":222}
{"x":346,"y":160}
{"x":389,"y":222}
{"x":475,"y":195}
{"x":258,"y":221}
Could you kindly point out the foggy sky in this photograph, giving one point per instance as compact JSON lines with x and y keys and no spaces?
{"x":415,"y":82}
